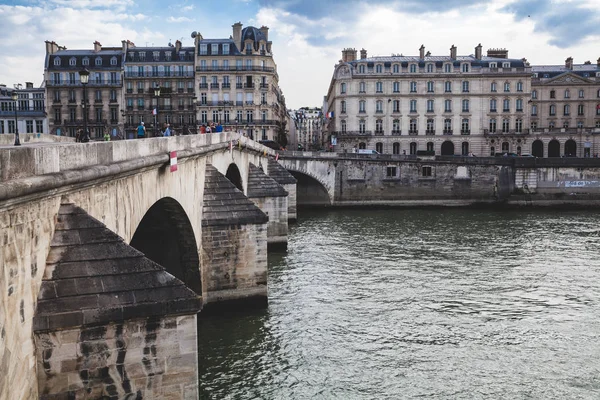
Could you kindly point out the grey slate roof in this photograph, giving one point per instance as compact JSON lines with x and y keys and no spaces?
{"x":133,"y":54}
{"x":262,"y":185}
{"x":98,"y":278}
{"x":439,"y":60}
{"x":280,"y":174}
{"x":551,"y":71}
{"x":224,"y":204}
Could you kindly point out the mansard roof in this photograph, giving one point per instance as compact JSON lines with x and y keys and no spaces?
{"x":254,"y":34}
{"x":439,"y":60}
{"x":165,"y":54}
{"x":552,"y":71}
{"x":78,"y":56}
{"x":233,"y":50}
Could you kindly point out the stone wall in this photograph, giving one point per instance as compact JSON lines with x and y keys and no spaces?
{"x":24,"y":138}
{"x":290,"y":188}
{"x":25,"y":235}
{"x":145,"y":359}
{"x":234,"y":263}
{"x":276,"y":209}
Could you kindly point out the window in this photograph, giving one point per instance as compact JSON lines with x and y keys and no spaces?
{"x":493,"y":125}
{"x":56,"y":62}
{"x":343,"y":125}
{"x":413,"y":106}
{"x":412,"y":126}
{"x":379,"y":87}
{"x":580,"y":124}
{"x":430,"y":126}
{"x":464,"y":126}
{"x":413,"y":68}
{"x":566,"y":124}
{"x":506,"y":87}
{"x":567,"y":109}
{"x":447,"y":105}
{"x":533,"y":125}
{"x":534,"y":94}
{"x":396,"y":127}
{"x":379,"y":68}
{"x":505,"y":125}
{"x":429,"y":106}
{"x":391,"y":172}
{"x":343,"y":107}
{"x":492,"y":151}
{"x":11,"y":126}
{"x":361,"y":69}
{"x":361,"y":126}
{"x":412,"y":148}
{"x":98,"y":61}
{"x":39,"y":126}
{"x":430,"y":87}
{"x":493,"y":87}
{"x":552,"y":109}
{"x":214,"y":48}
{"x":465,"y":86}
{"x":379,"y":127}
{"x":519,"y":105}
{"x":534,"y":110}
{"x":113,"y":61}
{"x":29,"y":126}
{"x":506,"y":105}
{"x":465,"y":105}
{"x":379,"y":147}
{"x":447,"y":126}
{"x":362,"y":106}
{"x":429,"y":68}
{"x":85,"y":61}
{"x":448,"y":87}
{"x":553,"y":94}
{"x":493,"y":105}
{"x":580,"y":109}
{"x":465,"y":67}
{"x":413,"y":87}
{"x":519,"y":125}
{"x":72,"y":61}
{"x":567,"y":94}
{"x":426,"y":171}
{"x":203,"y":49}
{"x":581,"y":94}
{"x":447,"y":68}
{"x":505,"y":65}
{"x":361,"y":87}
{"x":597,"y":109}
{"x":396,"y":87}
{"x":225,"y":48}
{"x":379,"y":106}
{"x":519,"y":86}
{"x":551,"y":125}
{"x":396,"y":148}
{"x":396,"y":106}
{"x":343,"y":88}
{"x":396,"y":68}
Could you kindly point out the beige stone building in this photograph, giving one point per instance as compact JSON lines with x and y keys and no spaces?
{"x":237,"y":84}
{"x":565,"y":109}
{"x":448,"y":105}
{"x":64,"y":91}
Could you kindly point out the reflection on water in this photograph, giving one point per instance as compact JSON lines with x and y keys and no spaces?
{"x":419,"y":303}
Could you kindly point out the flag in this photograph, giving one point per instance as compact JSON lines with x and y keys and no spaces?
{"x":154,"y":111}
{"x":598,"y":107}
{"x":330,"y":114}
{"x":276,"y":156}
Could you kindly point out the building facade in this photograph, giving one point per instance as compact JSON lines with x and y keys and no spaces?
{"x":238,"y":86}
{"x":308,"y":128}
{"x":65,"y":93}
{"x":31,"y":112}
{"x":436,"y":104}
{"x":169,"y":68}
{"x":565,"y":109}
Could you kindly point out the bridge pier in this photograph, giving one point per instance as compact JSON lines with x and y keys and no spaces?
{"x":110,"y":322}
{"x":288,"y":182}
{"x":234,"y":246}
{"x":272,"y":199}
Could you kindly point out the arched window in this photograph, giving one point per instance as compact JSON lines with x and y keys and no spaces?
{"x":379,"y":147}
{"x":492,"y":151}
{"x":534,"y":110}
{"x":396,"y":127}
{"x":430,"y":86}
{"x":362,"y":145}
{"x":379,"y":87}
{"x":396,"y":148}
{"x":343,"y":88}
{"x":362,"y":126}
{"x":57,"y":61}
{"x":534,"y":94}
{"x":465,"y":148}
{"x":552,"y":109}
{"x":343,"y":107}
{"x":396,"y":68}
{"x":413,"y":68}
{"x":378,"y":68}
{"x":505,"y":147}
{"x":379,"y":126}
{"x":567,"y":109}
{"x":464,"y":128}
{"x":343,"y":125}
{"x":580,"y":109}
{"x":413,"y":148}
{"x":413,"y":87}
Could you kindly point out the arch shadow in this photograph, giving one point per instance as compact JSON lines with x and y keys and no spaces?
{"x":234,"y":176}
{"x":165,"y":235}
{"x":309,"y":191}
{"x":447,"y":148}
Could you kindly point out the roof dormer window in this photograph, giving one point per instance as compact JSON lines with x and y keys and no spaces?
{"x":156,"y":55}
{"x":361,"y":69}
{"x":379,"y":68}
{"x":142,"y":55}
{"x":98,"y":61}
{"x":225,"y":48}
{"x":465,"y":67}
{"x":73,"y":61}
{"x":429,"y":68}
{"x":447,"y":68}
{"x":57,"y":61}
{"x":505,"y":65}
{"x":167,"y":55}
{"x":85,"y":61}
{"x":493,"y":65}
{"x":413,"y":68}
{"x":203,"y":49}
{"x":113,"y":61}
{"x":248,"y":47}
{"x":214,"y":49}
{"x":396,"y":68}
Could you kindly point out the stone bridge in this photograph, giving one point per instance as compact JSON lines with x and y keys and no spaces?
{"x":107,"y":255}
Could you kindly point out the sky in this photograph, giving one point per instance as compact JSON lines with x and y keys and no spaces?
{"x":308,"y":35}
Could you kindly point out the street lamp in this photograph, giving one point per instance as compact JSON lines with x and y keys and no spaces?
{"x":84,"y":76}
{"x":157,"y":95}
{"x":14,"y":97}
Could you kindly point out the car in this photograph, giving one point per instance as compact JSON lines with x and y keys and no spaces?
{"x":527,"y":155}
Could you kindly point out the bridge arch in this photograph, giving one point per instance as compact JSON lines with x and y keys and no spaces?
{"x":166,"y":236}
{"x":310,"y":190}
{"x":234,"y":176}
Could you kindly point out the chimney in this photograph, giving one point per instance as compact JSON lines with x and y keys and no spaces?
{"x":363,"y":54}
{"x":265,"y":31}
{"x":237,"y":35}
{"x":422,"y":52}
{"x":51,"y":47}
{"x":497,"y":53}
{"x":453,"y":52}
{"x":348,"y":55}
{"x":97,"y":46}
{"x":177,"y":45}
{"x":29,"y":85}
{"x":478,"y":52}
{"x":598,"y":63}
{"x":569,"y":63}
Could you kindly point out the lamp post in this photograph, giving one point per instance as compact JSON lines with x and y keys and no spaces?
{"x":84,"y":76}
{"x":157,"y":95}
{"x":14,"y":97}
{"x":123,"y":119}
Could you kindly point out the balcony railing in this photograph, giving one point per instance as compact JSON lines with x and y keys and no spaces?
{"x":214,"y":85}
{"x":447,"y":132}
{"x":226,"y":85}
{"x":465,"y":131}
{"x":234,"y":68}
{"x":430,"y":132}
{"x":248,"y":85}
{"x":92,"y":83}
{"x":413,"y":132}
{"x":396,"y":132}
{"x":353,"y":133}
{"x":203,"y":86}
{"x":151,"y":74}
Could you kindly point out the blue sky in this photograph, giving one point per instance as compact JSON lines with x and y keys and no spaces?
{"x":307,"y":35}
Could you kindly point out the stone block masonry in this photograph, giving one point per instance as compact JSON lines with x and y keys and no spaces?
{"x":288,"y":182}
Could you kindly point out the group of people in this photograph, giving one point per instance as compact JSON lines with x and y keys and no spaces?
{"x":168,"y":131}
{"x":211,"y":128}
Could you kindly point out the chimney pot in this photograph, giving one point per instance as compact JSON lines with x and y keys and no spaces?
{"x":422,"y":52}
{"x":453,"y":52}
{"x":363,"y":54}
{"x":569,"y":63}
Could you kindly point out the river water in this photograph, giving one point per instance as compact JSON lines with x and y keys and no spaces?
{"x":396,"y":304}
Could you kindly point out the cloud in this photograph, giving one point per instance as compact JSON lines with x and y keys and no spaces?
{"x":188,"y":8}
{"x":179,"y":19}
{"x":567,"y":22}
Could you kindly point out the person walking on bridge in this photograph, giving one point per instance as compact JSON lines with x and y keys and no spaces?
{"x":141,"y":131}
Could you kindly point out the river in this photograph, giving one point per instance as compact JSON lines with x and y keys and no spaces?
{"x":437,"y":304}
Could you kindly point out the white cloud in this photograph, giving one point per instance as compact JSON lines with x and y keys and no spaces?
{"x":179,"y":19}
{"x":188,"y":8}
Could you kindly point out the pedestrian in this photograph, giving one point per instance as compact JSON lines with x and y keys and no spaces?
{"x":203,"y":128}
{"x":78,"y":136}
{"x":208,"y":130}
{"x":219,"y":128}
{"x":141,"y":130}
{"x":167,"y":131}
{"x":106,"y":136}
